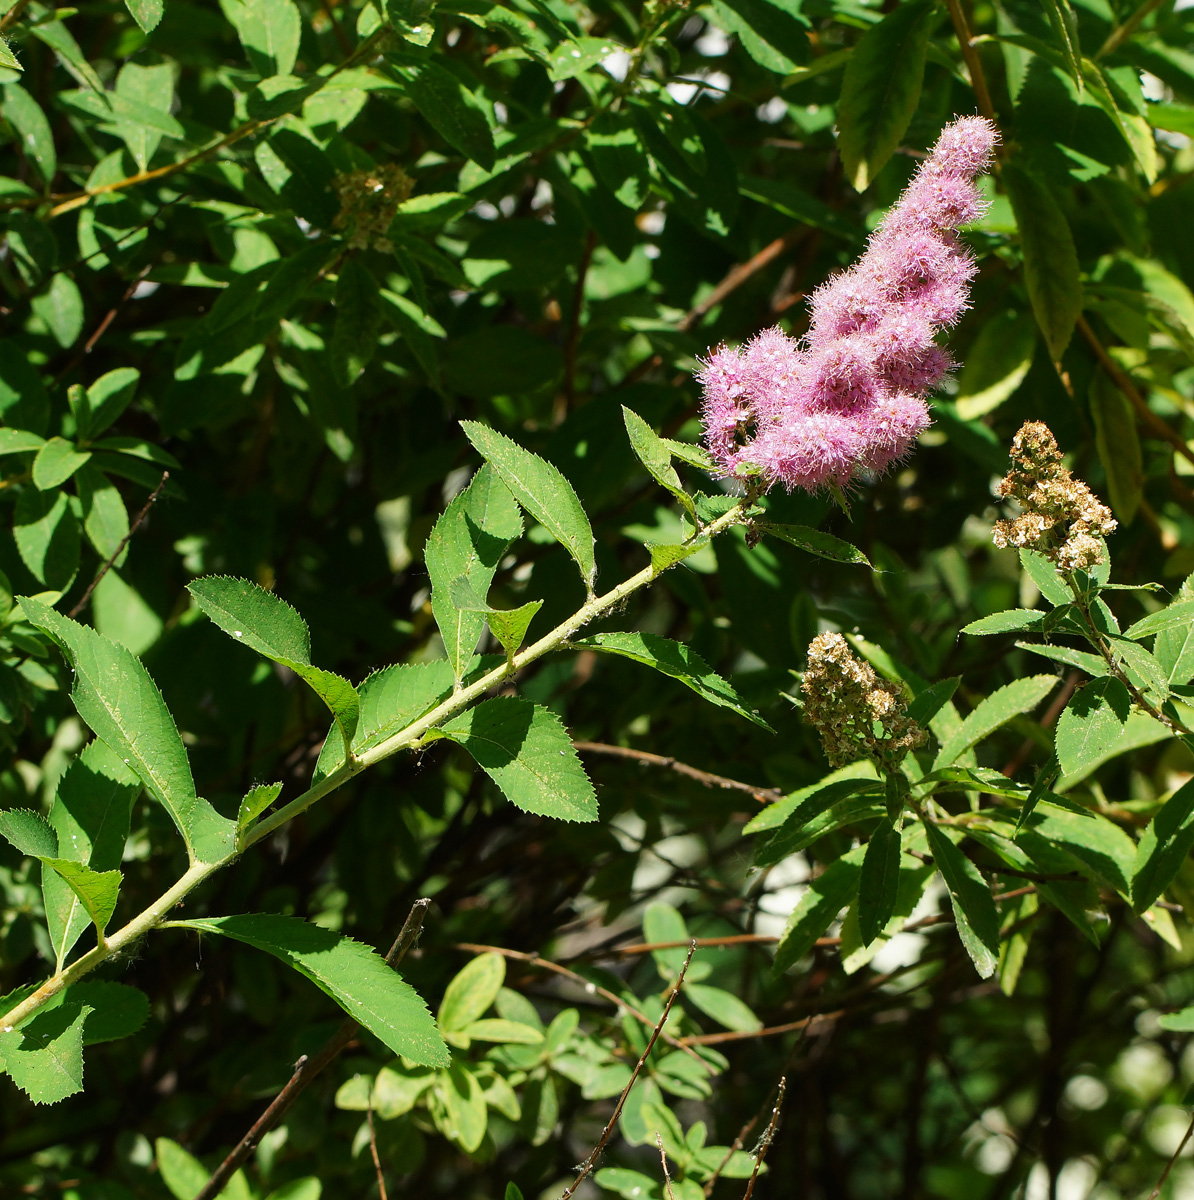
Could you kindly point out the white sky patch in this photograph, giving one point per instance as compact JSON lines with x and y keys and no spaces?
{"x":773,"y":111}
{"x":617,"y":64}
{"x":713,"y":43}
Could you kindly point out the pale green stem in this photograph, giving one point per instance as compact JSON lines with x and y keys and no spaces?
{"x":153,"y":916}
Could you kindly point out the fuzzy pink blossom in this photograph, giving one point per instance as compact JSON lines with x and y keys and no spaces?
{"x":852,"y":396}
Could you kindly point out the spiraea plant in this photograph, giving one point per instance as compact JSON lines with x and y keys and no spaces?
{"x":525,"y":667}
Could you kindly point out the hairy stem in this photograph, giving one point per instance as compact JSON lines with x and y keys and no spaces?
{"x":412,"y":736}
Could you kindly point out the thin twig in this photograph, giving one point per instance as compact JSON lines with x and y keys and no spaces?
{"x":978,"y":80}
{"x":764,"y":795}
{"x":13,"y":15}
{"x":587,"y":1166}
{"x":1170,"y":1164}
{"x":767,"y":1138}
{"x":744,"y":1035}
{"x":381,"y":1179}
{"x":124,"y":541}
{"x":738,"y":275}
{"x":1121,"y":33}
{"x":547,"y":965}
{"x":733,"y":939}
{"x":306,"y":1069}
{"x":667,"y":1179}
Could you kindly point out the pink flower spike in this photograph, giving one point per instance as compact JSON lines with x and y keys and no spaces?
{"x":853,"y":397}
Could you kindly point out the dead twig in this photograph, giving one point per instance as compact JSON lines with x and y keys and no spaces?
{"x":124,"y":541}
{"x":587,"y":1166}
{"x":767,"y":1138}
{"x":306,"y":1069}
{"x":1170,"y":1164}
{"x":764,"y":795}
{"x":381,"y":1179}
{"x":667,"y":1179}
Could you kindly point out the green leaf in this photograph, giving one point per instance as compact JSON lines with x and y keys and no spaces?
{"x":1065,"y":30}
{"x":827,"y":895}
{"x":576,"y":55}
{"x":1020,"y":696}
{"x":1163,"y":848}
{"x":996,"y":363}
{"x":1012,"y":620}
{"x":618,"y":158}
{"x":98,"y":891}
{"x":799,"y":205}
{"x":1044,"y":574}
{"x":509,"y":625}
{"x":653,"y":453}
{"x":355,"y":976}
{"x":1119,"y":446}
{"x":496,"y":1029}
{"x":60,"y":306}
{"x":542,"y":491}
{"x":117,"y":1010}
{"x":109,"y":396}
{"x":255,"y":802}
{"x":930,"y":701}
{"x":881,"y":89}
{"x":269,"y":30}
{"x":47,"y":536}
{"x":390,"y":700}
{"x":1051,"y":271}
{"x":448,"y":106}
{"x":29,"y":832}
{"x":724,"y":1007}
{"x":105,"y":518}
{"x":114,"y":694}
{"x":24,"y":114}
{"x":45,"y":1055}
{"x":8,"y":58}
{"x":141,"y":91}
{"x":1140,"y":666}
{"x":56,"y":462}
{"x":1178,"y":615}
{"x":677,"y":660}
{"x":974,"y":907}
{"x":471,"y":992}
{"x":266,"y":623}
{"x":1092,"y":720}
{"x":184,"y":1175}
{"x":878,"y":882}
{"x":823,"y":545}
{"x":147,"y":13}
{"x":469,"y":540}
{"x":527,"y":752}
{"x":91,"y":813}
{"x":1093,"y":664}
{"x":1091,"y":838}
{"x":19,"y":441}
{"x":466,"y":1115}
{"x":800,"y":806}
{"x":358,"y":320}
{"x":775,"y":35}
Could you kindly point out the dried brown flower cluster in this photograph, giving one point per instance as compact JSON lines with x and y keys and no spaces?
{"x":857,"y":714}
{"x":369,"y":199}
{"x":1062,"y":518}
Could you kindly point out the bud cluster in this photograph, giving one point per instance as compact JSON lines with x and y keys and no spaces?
{"x":1061,"y":517}
{"x":369,"y":200}
{"x":852,"y":395}
{"x":857,"y":714}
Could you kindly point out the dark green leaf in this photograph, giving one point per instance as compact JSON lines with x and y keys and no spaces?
{"x":823,"y":545}
{"x":827,"y":895}
{"x":881,"y":89}
{"x":974,"y":908}
{"x":674,"y":659}
{"x":527,"y":752}
{"x":878,"y":881}
{"x":1012,"y":620}
{"x":1118,"y":445}
{"x":1163,"y":848}
{"x":1092,"y":721}
{"x":355,"y":976}
{"x":449,"y":107}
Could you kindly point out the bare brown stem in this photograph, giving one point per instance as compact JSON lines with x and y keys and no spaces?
{"x":13,"y":15}
{"x":667,"y":1179}
{"x":306,"y":1069}
{"x":1170,"y":1164}
{"x":566,"y":401}
{"x":767,"y":1138}
{"x":764,"y":795}
{"x":978,"y":79}
{"x":124,"y":541}
{"x":587,"y":1166}
{"x":381,"y":1178}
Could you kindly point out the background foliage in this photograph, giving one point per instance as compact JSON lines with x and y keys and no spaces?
{"x":279,"y":249}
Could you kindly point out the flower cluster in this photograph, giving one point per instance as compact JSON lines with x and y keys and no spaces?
{"x":369,"y":199}
{"x":1062,"y":518}
{"x":851,"y":397}
{"x":857,"y":714}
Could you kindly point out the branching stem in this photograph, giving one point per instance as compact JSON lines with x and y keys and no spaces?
{"x":416,"y":734}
